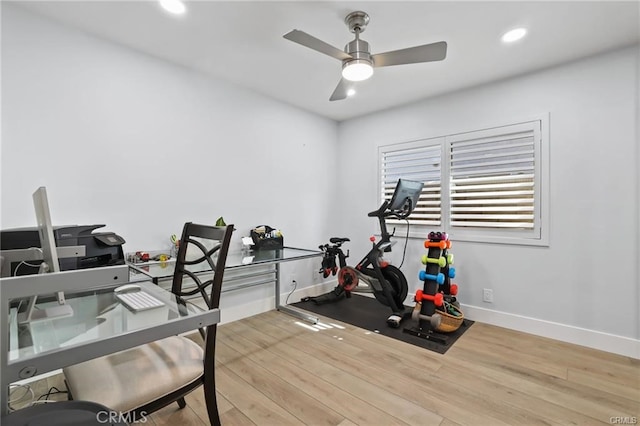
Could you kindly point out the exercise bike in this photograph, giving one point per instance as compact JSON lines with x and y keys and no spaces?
{"x":373,"y":274}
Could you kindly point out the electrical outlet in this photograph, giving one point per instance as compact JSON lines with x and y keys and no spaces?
{"x":487,"y":295}
{"x":292,"y":279}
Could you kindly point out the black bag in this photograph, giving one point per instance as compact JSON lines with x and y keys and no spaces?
{"x":267,"y":239}
{"x":334,"y":295}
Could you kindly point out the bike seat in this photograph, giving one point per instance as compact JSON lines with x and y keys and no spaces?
{"x":336,"y":240}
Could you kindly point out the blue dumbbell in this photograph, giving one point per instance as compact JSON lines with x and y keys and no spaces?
{"x":452,"y":272}
{"x":437,"y":278}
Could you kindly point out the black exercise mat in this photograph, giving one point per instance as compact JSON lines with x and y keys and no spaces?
{"x":368,"y":313}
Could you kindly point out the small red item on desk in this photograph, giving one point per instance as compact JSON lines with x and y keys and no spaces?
{"x":142,"y":256}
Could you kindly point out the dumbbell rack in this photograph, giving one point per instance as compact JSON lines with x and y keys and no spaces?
{"x":437,"y":288}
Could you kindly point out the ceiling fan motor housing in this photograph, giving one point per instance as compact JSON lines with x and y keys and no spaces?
{"x":359,"y":51}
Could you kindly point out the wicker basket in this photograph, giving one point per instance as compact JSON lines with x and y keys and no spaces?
{"x":450,"y":323}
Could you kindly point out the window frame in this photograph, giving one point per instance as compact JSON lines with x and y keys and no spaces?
{"x":538,"y":236}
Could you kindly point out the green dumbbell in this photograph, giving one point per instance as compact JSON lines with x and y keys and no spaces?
{"x":450,"y":258}
{"x":441,"y":261}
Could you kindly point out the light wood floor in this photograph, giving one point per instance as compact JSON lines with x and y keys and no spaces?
{"x":271,"y":371}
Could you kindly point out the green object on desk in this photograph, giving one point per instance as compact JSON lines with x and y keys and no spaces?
{"x":220,"y":222}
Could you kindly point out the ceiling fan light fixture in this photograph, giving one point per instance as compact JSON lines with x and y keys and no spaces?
{"x":175,"y":7}
{"x":357,"y":70}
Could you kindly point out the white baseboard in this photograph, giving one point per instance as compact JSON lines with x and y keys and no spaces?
{"x":237,"y":312}
{"x":580,"y":336}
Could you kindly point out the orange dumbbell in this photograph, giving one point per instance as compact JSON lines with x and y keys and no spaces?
{"x":443,"y":244}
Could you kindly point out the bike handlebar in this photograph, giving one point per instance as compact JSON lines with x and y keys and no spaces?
{"x":380,"y":212}
{"x":400,"y":214}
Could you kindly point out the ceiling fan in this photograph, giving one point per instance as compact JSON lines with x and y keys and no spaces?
{"x":357,"y":60}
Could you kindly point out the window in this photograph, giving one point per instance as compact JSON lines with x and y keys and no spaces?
{"x":487,"y":185}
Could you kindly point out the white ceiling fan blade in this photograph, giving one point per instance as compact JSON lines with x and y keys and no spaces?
{"x":342,"y":90}
{"x":318,"y":45}
{"x":412,"y":55}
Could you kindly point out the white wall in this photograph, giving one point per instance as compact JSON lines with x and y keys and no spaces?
{"x":587,"y":278}
{"x":141,"y":145}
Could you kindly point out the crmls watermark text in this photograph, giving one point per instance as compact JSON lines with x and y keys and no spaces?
{"x":117,"y":417}
{"x":620,"y":420}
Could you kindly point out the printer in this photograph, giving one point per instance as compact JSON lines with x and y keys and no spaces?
{"x":101,"y":248}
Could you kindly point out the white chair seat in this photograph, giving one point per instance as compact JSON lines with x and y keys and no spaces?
{"x":132,"y":378}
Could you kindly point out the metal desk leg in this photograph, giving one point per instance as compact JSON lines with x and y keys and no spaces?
{"x":288,"y":309}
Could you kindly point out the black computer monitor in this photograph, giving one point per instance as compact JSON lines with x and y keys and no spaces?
{"x":405,"y":197}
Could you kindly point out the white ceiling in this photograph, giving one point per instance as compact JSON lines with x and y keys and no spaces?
{"x":241,"y":41}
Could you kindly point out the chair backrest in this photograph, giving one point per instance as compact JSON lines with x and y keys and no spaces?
{"x":197,"y":238}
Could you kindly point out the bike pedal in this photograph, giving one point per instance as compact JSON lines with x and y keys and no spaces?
{"x":394,"y":321}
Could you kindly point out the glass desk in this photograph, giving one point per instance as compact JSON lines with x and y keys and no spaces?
{"x":99,"y":325}
{"x":243,"y":269}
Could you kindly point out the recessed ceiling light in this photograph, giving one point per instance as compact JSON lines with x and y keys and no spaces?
{"x":176,"y":7}
{"x":351,"y":92}
{"x":514,"y":35}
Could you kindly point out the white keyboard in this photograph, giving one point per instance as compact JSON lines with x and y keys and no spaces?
{"x":139,"y":300}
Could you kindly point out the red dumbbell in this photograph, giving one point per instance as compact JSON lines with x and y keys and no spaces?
{"x":437,"y":298}
{"x":453,"y":289}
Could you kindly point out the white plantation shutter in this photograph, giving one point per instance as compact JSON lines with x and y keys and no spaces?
{"x":414,"y":162}
{"x":488,"y":185}
{"x":493,"y":175}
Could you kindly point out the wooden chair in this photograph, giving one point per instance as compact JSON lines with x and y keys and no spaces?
{"x":146,"y":378}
